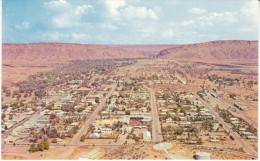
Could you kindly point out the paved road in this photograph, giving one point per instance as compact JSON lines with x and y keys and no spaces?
{"x":156,"y":128}
{"x":82,"y":131}
{"x":228,"y":128}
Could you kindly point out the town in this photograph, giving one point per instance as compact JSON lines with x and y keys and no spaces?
{"x":119,"y":103}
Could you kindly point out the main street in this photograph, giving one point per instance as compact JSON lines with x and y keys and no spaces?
{"x":228,"y":128}
{"x":156,"y":127}
{"x":82,"y":131}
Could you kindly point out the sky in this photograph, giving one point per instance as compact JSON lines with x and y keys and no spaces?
{"x":128,"y":21}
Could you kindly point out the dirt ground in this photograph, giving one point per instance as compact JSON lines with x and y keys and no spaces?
{"x":14,"y":74}
{"x":55,"y":153}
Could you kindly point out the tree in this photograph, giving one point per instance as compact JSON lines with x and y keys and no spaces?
{"x":21,"y":104}
{"x":97,"y":100}
{"x":82,"y":138}
{"x":40,"y":147}
{"x":200,"y":141}
{"x":32,"y":148}
{"x":62,"y":136}
{"x":3,"y":115}
{"x":46,"y":144}
{"x":127,"y":112}
{"x":80,"y":110}
{"x":52,"y":116}
{"x":40,"y":93}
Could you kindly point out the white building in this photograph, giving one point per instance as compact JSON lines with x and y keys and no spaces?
{"x":147,"y":136}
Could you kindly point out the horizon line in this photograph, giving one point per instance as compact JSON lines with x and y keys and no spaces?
{"x":141,"y":44}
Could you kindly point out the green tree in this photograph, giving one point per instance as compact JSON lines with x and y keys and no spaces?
{"x":32,"y":148}
{"x":82,"y":138}
{"x":46,"y":145}
{"x":97,"y":100}
{"x":40,"y":147}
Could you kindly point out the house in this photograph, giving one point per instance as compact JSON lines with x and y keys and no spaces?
{"x":247,"y":133}
{"x":147,"y":136}
{"x":104,"y":130}
{"x":242,"y":108}
{"x":164,"y":110}
{"x":104,"y":113}
{"x":180,"y":114}
{"x":169,"y":120}
{"x":233,"y":119}
{"x":172,"y":114}
{"x":185,"y":123}
{"x":192,"y":114}
{"x":215,"y":126}
{"x":214,"y":138}
{"x":162,"y":113}
{"x":251,"y":137}
{"x":11,"y":139}
{"x":128,"y":129}
{"x":235,"y":122}
{"x":125,"y":120}
{"x":183,"y":118}
{"x":58,"y":104}
{"x":94,"y":136}
{"x":24,"y":135}
{"x":214,"y":95}
{"x":143,"y":109}
{"x":74,"y":124}
{"x":120,"y":112}
{"x":242,"y":129}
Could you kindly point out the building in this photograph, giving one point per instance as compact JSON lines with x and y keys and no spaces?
{"x":147,"y":136}
{"x":106,"y":130}
{"x":185,"y":123}
{"x":251,"y":138}
{"x":94,"y":136}
{"x":169,"y":120}
{"x":202,"y":156}
{"x":214,"y":138}
{"x":242,"y":108}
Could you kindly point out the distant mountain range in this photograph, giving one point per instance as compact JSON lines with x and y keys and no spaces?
{"x":226,"y":49}
{"x":36,"y":54}
{"x":53,"y":53}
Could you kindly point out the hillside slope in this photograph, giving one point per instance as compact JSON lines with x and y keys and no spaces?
{"x":218,"y":50}
{"x":151,"y":49}
{"x":39,"y":54}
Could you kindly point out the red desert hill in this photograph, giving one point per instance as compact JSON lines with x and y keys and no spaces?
{"x":218,"y":50}
{"x":53,"y":53}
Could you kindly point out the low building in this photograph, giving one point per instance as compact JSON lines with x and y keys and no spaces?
{"x":94,"y":136}
{"x":169,"y":120}
{"x":247,"y":133}
{"x":106,"y":130}
{"x":215,"y":126}
{"x":214,"y":138}
{"x":251,"y":138}
{"x":185,"y":123}
{"x":128,"y":129}
{"x":147,"y":136}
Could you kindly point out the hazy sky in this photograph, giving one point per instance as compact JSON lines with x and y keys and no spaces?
{"x":129,"y":21}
